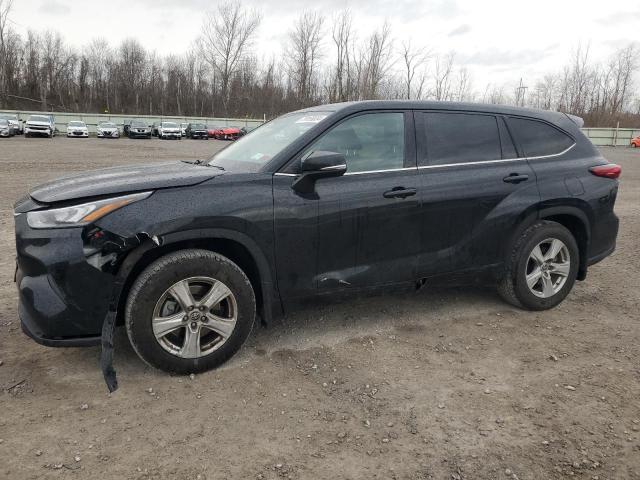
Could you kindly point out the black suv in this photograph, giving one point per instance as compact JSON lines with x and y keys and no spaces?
{"x":339,"y":198}
{"x":197,"y":130}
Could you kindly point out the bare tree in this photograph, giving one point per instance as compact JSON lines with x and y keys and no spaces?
{"x":227,"y":33}
{"x":303,"y":54}
{"x":442,"y":77}
{"x":375,"y":61}
{"x":413,"y":60}
{"x":341,"y":87}
{"x":5,"y":10}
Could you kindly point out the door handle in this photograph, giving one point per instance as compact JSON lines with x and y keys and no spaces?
{"x":515,"y":178}
{"x":399,"y":192}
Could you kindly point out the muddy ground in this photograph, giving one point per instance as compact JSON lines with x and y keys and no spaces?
{"x":446,"y":384}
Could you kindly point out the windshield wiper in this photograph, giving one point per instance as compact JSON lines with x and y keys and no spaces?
{"x":203,"y":163}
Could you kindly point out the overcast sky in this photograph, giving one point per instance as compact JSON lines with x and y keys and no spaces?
{"x":498,"y":41}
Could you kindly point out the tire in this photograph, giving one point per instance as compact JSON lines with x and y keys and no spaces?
{"x":145,"y":301}
{"x":548,"y":292}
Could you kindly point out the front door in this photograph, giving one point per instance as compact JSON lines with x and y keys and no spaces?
{"x":358,"y":230}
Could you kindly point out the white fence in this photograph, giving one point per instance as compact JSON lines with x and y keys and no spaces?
{"x":599,"y":136}
{"x":617,"y":137}
{"x":92,"y":119}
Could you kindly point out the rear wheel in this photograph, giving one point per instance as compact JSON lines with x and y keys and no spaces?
{"x":542,"y":267}
{"x":189,"y":311}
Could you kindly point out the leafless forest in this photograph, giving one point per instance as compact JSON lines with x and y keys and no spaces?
{"x":324,"y":59}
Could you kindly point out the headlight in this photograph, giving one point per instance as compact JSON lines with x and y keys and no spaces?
{"x":78,"y":215}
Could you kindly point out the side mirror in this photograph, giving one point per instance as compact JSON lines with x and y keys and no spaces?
{"x":317,"y":165}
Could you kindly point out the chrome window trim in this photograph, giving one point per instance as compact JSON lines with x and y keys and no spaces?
{"x":498,"y":161}
{"x":482,"y":162}
{"x":281,"y":174}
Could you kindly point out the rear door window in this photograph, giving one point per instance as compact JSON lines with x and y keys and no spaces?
{"x":538,"y":139}
{"x":453,"y":138}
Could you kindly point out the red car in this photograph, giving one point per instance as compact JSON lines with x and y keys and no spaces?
{"x":214,"y":132}
{"x":224,"y":133}
{"x":635,"y":142}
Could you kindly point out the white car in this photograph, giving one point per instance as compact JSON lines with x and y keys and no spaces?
{"x":77,"y":128}
{"x":107,"y":130}
{"x":14,"y":123}
{"x":5,"y":128}
{"x":169,"y":130}
{"x":40,"y":125}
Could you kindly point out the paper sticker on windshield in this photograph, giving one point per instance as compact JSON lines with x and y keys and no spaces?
{"x":311,"y":118}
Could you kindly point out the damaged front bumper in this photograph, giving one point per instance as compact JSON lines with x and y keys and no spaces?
{"x":67,"y":281}
{"x":63,"y":299}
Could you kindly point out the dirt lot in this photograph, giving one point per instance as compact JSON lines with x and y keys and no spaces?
{"x":446,"y":384}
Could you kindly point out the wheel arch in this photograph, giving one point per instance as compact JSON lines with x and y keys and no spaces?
{"x":572,"y":217}
{"x":578,"y":223}
{"x":236,"y":246}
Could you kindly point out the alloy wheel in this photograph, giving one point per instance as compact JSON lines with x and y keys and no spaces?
{"x":194,"y":317}
{"x":548,"y":267}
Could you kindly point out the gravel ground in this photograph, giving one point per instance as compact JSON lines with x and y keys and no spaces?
{"x":446,"y":384}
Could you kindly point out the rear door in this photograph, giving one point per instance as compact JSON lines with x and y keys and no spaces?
{"x":473,"y":186}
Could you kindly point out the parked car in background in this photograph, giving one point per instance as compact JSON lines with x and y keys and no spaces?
{"x":332,"y":200}
{"x":5,"y":128}
{"x":197,"y":130}
{"x":139,"y":129}
{"x":247,"y":129}
{"x":15,"y":124}
{"x":635,"y":142}
{"x":76,"y":128}
{"x":40,"y":125}
{"x":228,"y":133}
{"x":168,"y":130}
{"x":183,"y":129}
{"x":126,"y":125}
{"x":107,"y":130}
{"x":213,"y":132}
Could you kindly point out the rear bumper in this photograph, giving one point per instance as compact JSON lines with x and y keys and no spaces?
{"x":603,"y":237}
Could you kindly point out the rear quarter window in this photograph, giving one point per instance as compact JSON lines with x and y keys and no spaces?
{"x":538,"y":139}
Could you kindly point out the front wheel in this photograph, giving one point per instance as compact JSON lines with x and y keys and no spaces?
{"x":190,"y":311}
{"x":542,"y":267}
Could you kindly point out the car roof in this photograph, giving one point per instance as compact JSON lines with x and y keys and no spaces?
{"x":347,"y":107}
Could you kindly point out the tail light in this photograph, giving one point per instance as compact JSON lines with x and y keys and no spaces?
{"x":610,"y":170}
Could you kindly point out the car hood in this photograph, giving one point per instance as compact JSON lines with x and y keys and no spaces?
{"x":117,"y":180}
{"x":38,"y":124}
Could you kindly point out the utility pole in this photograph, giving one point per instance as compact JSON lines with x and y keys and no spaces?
{"x":521,"y":91}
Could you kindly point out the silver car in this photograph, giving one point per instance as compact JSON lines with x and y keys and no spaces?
{"x":107,"y":130}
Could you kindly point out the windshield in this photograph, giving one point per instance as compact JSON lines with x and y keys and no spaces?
{"x":138,"y":123}
{"x":8,"y":116}
{"x":76,"y":124}
{"x":38,"y":118}
{"x":107,"y":125}
{"x":3,"y":122}
{"x":198,"y":126}
{"x":169,"y":125}
{"x":252,"y":152}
